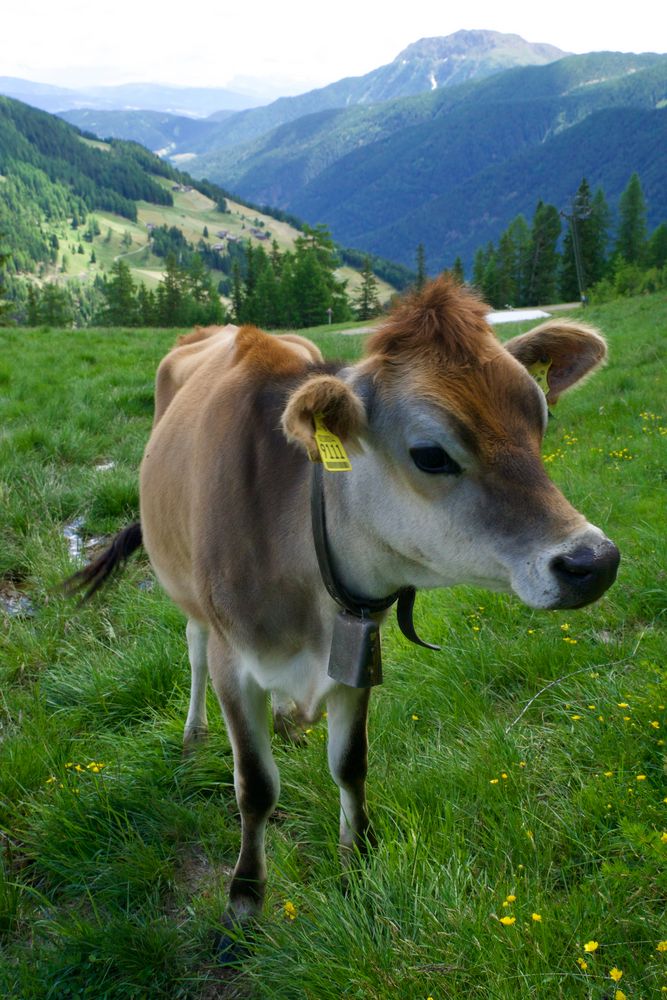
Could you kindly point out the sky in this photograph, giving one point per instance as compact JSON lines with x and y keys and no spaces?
{"x":298,"y":44}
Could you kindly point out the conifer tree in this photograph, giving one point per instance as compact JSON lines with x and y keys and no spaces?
{"x":656,"y":254}
{"x":120,"y":294}
{"x":589,"y":218}
{"x":631,"y":236}
{"x":421,"y":267}
{"x":367,"y":304}
{"x":4,"y":304}
{"x":542,"y":276}
{"x":457,"y":271}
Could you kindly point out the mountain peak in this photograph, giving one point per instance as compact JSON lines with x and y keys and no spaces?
{"x":475,"y":53}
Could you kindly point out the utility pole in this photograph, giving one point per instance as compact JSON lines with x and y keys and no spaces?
{"x":578,"y":212}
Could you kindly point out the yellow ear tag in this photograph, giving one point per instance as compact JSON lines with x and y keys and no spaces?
{"x":539,"y":371}
{"x":333,"y":455}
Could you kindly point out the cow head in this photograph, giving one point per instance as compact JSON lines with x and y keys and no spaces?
{"x":449,"y":486}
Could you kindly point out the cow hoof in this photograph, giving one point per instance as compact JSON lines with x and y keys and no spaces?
{"x":232,"y":945}
{"x":194,"y":737}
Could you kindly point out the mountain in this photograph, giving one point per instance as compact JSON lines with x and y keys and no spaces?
{"x":443,"y":168}
{"x":424,"y":66}
{"x":197,"y":102}
{"x":160,"y":132}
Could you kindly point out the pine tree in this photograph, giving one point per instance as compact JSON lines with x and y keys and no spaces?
{"x":421,"y":267}
{"x":54,"y":306}
{"x":458,"y":272}
{"x":589,"y":219}
{"x":170,"y":295}
{"x":656,"y":255}
{"x":631,"y":237}
{"x":542,"y":277}
{"x":367,"y":304}
{"x":237,"y":293}
{"x":478,"y":268}
{"x":120,"y":294}
{"x":4,"y":304}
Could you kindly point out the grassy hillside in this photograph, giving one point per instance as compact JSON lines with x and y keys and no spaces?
{"x":51,"y":175}
{"x":517,"y":775}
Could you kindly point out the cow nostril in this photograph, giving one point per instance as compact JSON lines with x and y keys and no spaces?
{"x":586,"y":573}
{"x":579,"y":564}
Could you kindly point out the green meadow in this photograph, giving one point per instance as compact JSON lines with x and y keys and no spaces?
{"x":517,"y":778}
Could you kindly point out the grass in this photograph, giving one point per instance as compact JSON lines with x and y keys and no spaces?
{"x":526,"y":760}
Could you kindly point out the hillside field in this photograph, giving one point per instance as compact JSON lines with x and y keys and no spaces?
{"x":517,"y":775}
{"x":191,"y":212}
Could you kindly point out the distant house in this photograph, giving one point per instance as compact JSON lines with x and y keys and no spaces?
{"x":218,"y":246}
{"x":222,"y":233}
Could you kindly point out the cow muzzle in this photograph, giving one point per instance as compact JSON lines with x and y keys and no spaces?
{"x":571,"y":574}
{"x":585,"y":573}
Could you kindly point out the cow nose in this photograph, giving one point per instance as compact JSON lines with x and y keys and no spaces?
{"x":585,"y":573}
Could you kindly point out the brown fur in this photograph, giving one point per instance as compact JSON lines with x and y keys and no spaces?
{"x":343,"y":413}
{"x":575,"y":350}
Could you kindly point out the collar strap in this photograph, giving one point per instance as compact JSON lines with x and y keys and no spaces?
{"x":361,"y":607}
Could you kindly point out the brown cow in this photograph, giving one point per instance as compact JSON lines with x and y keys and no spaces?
{"x":444,"y":427}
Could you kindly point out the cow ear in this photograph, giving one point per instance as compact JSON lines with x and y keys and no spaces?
{"x":565,"y":350}
{"x":342,"y":411}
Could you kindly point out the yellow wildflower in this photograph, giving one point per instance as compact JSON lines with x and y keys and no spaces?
{"x":591,"y":946}
{"x":662,"y":946}
{"x":656,"y":724}
{"x":575,"y":718}
{"x":608,"y":774}
{"x":616,"y":974}
{"x":508,"y":921}
{"x":511,"y":899}
{"x":663,"y":838}
{"x":503,"y":776}
{"x":565,"y":626}
{"x":641,"y":777}
{"x":494,"y":781}
{"x":415,"y":718}
{"x":620,"y":995}
{"x":290,"y":910}
{"x":537,"y":917}
{"x":583,"y":965}
{"x":623,"y":704}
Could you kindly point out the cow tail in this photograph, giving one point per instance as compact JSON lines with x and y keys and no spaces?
{"x":97,"y":574}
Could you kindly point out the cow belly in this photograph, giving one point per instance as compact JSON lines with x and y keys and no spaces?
{"x":301,"y":679}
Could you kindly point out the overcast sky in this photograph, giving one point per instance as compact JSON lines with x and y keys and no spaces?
{"x":206,"y":43}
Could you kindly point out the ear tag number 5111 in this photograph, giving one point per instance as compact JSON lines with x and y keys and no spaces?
{"x":333,"y":454}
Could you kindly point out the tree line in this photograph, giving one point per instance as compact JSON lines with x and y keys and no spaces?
{"x":574,"y":254}
{"x":558,"y":256}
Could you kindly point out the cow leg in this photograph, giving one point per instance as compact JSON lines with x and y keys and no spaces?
{"x":347,"y":710}
{"x":196,"y":725}
{"x":256,"y":779}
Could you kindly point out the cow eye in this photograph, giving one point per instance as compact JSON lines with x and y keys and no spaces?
{"x":434,"y":459}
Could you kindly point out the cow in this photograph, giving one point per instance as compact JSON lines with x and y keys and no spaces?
{"x":284,"y":571}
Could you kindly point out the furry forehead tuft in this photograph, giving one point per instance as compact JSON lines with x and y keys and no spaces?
{"x":443,"y":318}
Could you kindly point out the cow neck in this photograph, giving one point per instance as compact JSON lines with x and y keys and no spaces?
{"x":360,"y":607}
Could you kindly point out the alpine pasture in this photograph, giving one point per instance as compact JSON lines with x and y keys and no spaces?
{"x":517,"y":778}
